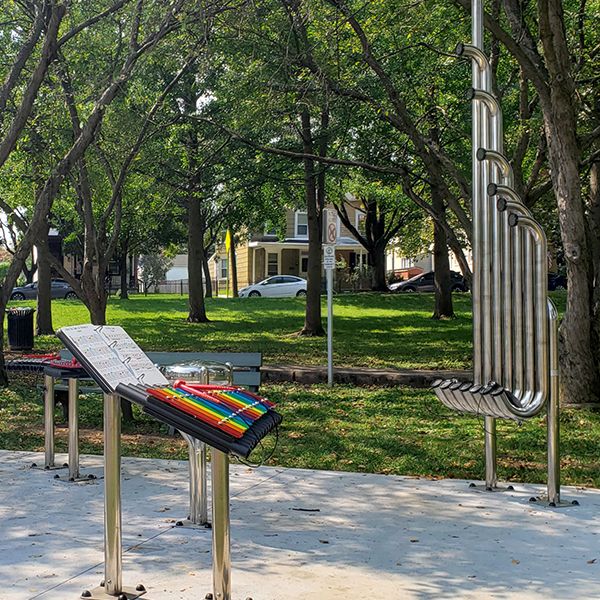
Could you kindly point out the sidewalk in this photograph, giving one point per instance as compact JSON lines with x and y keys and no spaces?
{"x":415,"y":378}
{"x":298,"y":535}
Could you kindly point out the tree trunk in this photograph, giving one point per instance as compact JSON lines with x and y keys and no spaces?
{"x":208,"y":293}
{"x":197,"y":308}
{"x":233,"y":265}
{"x":313,"y":325}
{"x":124,"y":274}
{"x":594,"y":225}
{"x":377,"y":262}
{"x":29,"y":273}
{"x":579,"y":353}
{"x":441,"y":264}
{"x":44,"y":299}
{"x":3,"y":374}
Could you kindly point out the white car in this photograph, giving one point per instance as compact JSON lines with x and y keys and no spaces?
{"x":279,"y":286}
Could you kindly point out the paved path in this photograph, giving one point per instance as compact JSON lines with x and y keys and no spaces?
{"x":359,"y":376}
{"x":298,"y":535}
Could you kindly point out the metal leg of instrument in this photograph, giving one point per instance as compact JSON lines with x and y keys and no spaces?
{"x":49,"y":421}
{"x":112,"y":586}
{"x":198,"y":482}
{"x":553,"y":424}
{"x":491,"y":480}
{"x":221,"y":544}
{"x":198,"y":475}
{"x":73,"y":429}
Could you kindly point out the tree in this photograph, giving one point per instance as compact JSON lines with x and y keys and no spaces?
{"x":153,"y":268}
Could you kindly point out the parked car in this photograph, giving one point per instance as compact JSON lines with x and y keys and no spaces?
{"x":556,"y":282}
{"x":59,"y":288}
{"x":424,"y":283}
{"x":279,"y":286}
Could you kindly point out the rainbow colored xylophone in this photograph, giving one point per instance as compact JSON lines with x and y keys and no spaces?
{"x":228,"y":418}
{"x":230,"y":409}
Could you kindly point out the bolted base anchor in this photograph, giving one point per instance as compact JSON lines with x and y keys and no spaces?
{"x":209,"y":596}
{"x":496,"y":488}
{"x":127,"y":593}
{"x":188,"y":524}
{"x":543,"y":501}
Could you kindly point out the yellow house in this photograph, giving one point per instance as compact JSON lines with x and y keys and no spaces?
{"x":265,"y":254}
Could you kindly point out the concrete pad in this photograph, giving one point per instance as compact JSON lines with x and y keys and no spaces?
{"x":297,"y":534}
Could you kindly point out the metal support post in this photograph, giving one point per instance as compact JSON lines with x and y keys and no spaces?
{"x":49,"y":421}
{"x":112,"y":586}
{"x":73,"y":428}
{"x":221,"y":544}
{"x":112,"y":494}
{"x":553,"y":423}
{"x":491,"y":479}
{"x":198,"y":481}
{"x":329,"y":327}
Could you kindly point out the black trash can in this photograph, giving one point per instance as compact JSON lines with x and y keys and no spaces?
{"x":20,"y":328}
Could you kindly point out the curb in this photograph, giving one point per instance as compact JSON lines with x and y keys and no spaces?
{"x":358,"y":376}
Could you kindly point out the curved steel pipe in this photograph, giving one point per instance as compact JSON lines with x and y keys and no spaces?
{"x":473,"y":53}
{"x":509,"y":199}
{"x":540,"y":395}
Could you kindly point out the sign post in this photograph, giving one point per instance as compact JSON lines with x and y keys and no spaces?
{"x":329,"y":265}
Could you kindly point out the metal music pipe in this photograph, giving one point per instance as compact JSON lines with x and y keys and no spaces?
{"x":509,"y":199}
{"x":482,"y":343}
{"x":484,"y":306}
{"x":495,"y":126}
{"x":507,"y":252}
{"x":541,"y":370}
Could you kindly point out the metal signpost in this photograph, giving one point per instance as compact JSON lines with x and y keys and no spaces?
{"x":329,"y":265}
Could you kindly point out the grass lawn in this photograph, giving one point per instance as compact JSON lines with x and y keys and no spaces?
{"x":377,"y":430}
{"x":370,"y":330}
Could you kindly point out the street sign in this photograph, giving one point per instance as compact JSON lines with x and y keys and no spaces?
{"x":329,"y":256}
{"x":330,"y":226}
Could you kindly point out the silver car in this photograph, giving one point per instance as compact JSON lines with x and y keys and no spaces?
{"x":59,"y":288}
{"x":279,"y":286}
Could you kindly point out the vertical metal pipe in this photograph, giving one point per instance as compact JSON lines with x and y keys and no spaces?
{"x":73,"y":428}
{"x":221,"y":544}
{"x":112,"y":495}
{"x":491,"y":479}
{"x":530,"y":349}
{"x":482,"y":324}
{"x":329,"y":327}
{"x":553,"y":422}
{"x":476,"y":191}
{"x":48,"y":421}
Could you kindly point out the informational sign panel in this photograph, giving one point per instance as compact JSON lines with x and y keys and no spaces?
{"x":329,"y":257}
{"x":330,"y":226}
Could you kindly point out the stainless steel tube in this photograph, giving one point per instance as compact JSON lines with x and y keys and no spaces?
{"x":73,"y":428}
{"x":112,"y":495}
{"x":198,"y":481}
{"x":491,"y":479}
{"x":505,"y":173}
{"x":541,"y":369}
{"x":553,"y":422}
{"x":48,"y":421}
{"x":221,"y":544}
{"x":509,"y":199}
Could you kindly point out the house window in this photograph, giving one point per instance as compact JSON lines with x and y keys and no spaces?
{"x":223,"y":267}
{"x":360,"y":222}
{"x":272,"y":264}
{"x":304,"y":263}
{"x":301,"y":224}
